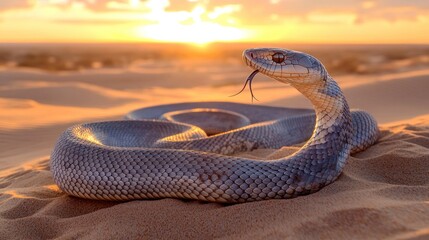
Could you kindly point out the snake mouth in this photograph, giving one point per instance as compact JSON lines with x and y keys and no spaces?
{"x":279,"y":64}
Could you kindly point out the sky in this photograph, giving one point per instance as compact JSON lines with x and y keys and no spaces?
{"x":206,"y":21}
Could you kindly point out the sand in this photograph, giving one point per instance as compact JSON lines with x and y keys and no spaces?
{"x":382,"y":193}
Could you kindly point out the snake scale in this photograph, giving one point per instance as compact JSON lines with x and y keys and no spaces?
{"x":152,"y":155}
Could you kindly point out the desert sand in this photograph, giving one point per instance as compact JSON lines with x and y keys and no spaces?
{"x":382,"y":193}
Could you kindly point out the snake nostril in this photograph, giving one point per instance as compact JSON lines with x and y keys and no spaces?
{"x":251,"y":55}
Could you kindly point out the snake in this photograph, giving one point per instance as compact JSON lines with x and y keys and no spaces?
{"x":174,"y":151}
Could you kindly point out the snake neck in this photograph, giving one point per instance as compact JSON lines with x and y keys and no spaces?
{"x":332,"y":134}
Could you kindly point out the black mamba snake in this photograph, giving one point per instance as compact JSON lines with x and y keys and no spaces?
{"x":143,"y":158}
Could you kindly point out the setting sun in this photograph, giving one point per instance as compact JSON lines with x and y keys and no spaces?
{"x":188,"y":27}
{"x":199,"y":32}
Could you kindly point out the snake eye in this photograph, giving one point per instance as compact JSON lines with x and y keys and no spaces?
{"x":278,"y":57}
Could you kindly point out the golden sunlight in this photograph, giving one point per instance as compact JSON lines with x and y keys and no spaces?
{"x":188,"y":27}
{"x":198,"y":33}
{"x":204,"y":21}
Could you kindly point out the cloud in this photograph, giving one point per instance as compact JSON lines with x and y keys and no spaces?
{"x":95,"y":5}
{"x":15,"y":4}
{"x":100,"y":21}
{"x":109,"y":5}
{"x":256,"y":12}
{"x":391,"y":14}
{"x":251,"y":12}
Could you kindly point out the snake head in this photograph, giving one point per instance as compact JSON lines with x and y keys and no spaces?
{"x":285,"y":65}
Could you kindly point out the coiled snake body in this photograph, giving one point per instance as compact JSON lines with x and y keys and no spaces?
{"x":143,"y":159}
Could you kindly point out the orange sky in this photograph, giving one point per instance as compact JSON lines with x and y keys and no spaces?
{"x":204,"y":21}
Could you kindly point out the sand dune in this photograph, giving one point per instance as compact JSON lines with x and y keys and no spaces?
{"x":65,"y":96}
{"x":382,"y":193}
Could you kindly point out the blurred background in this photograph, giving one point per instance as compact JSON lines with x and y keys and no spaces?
{"x":68,"y":61}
